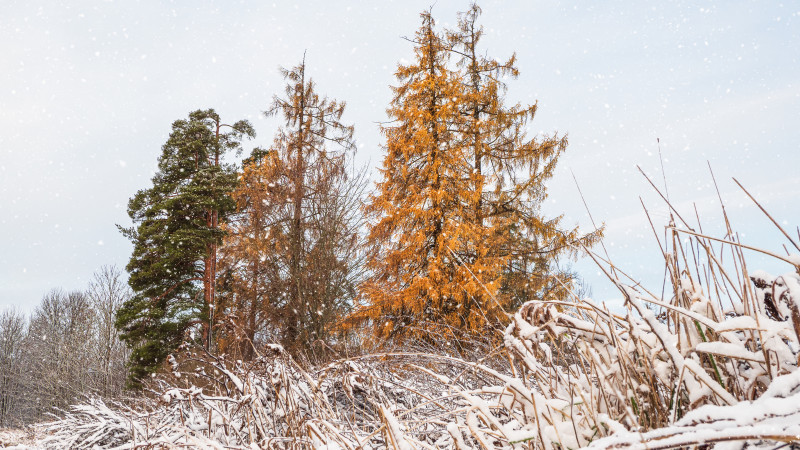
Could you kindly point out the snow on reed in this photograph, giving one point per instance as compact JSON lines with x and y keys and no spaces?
{"x":713,"y":361}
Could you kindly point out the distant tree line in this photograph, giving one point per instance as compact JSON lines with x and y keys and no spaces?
{"x":66,"y":349}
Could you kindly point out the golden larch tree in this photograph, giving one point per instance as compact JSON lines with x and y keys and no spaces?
{"x":514,"y":242}
{"x":457,"y":236}
{"x":249,"y":262}
{"x":417,"y":287}
{"x":294,"y":252}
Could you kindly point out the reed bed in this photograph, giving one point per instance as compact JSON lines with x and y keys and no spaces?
{"x":711,"y":361}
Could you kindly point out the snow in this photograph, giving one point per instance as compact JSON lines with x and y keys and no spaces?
{"x":738,"y":323}
{"x":730,"y":350}
{"x":15,"y":439}
{"x":754,"y":421}
{"x":395,"y":430}
{"x":667,"y":373}
{"x":794,"y":258}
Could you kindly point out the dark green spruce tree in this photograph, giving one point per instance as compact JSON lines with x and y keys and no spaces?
{"x":175,"y":235}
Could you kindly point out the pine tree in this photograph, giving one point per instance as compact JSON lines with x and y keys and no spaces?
{"x":173,"y":265}
{"x":293,"y":248}
{"x":458,"y":240}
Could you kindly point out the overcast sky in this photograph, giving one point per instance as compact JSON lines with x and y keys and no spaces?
{"x":88,"y":91}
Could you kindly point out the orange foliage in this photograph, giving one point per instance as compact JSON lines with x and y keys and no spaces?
{"x":457,"y":237}
{"x":293,"y":252}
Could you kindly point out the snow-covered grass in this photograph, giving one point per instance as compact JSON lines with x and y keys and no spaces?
{"x":713,"y":361}
{"x":17,"y":438}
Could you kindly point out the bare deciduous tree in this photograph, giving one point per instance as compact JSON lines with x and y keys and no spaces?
{"x":12,"y":335}
{"x":68,"y":349}
{"x":58,"y":351}
{"x":107,"y":292}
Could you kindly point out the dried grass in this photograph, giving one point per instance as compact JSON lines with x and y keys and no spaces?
{"x":713,"y":363}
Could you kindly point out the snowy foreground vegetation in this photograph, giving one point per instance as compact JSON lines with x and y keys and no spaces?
{"x":715,"y":363}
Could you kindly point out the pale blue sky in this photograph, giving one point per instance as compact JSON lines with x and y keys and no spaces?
{"x":88,"y":91}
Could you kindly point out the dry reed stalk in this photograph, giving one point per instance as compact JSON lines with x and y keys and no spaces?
{"x":715,"y":363}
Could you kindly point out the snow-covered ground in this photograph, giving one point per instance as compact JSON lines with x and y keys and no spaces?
{"x":17,"y":439}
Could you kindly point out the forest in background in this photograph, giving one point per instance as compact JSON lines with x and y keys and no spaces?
{"x":67,"y":349}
